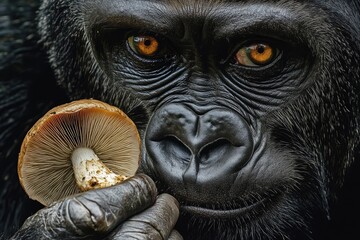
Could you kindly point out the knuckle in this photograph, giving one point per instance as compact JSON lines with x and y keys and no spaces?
{"x":86,"y":217}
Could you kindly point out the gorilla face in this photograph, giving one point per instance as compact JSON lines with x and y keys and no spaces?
{"x":248,"y":110}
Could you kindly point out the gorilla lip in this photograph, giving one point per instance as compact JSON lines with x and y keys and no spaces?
{"x":237,"y":207}
{"x":223,"y":213}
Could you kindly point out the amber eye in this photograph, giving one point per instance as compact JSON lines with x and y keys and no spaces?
{"x":254,"y":55}
{"x":146,"y":46}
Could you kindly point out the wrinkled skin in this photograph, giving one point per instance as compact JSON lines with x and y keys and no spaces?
{"x":243,"y":150}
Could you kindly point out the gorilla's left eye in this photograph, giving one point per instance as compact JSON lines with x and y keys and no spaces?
{"x":256,"y":55}
{"x":145,"y":46}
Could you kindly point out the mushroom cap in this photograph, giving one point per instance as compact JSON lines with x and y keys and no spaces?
{"x":44,"y":166}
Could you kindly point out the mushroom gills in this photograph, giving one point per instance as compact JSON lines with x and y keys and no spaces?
{"x":90,"y":172}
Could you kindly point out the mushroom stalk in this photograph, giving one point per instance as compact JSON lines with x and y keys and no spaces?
{"x":90,"y":172}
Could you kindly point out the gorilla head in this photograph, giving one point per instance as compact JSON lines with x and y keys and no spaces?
{"x":248,"y":110}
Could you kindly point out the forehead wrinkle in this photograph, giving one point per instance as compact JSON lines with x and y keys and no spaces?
{"x":191,"y":8}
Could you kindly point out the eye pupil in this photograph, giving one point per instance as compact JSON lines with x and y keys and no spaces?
{"x":260,"y":49}
{"x":147,"y":42}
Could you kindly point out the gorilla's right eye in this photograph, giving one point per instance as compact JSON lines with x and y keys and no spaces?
{"x":256,"y":55}
{"x":143,"y":45}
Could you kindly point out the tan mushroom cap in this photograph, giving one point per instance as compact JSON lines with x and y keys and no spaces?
{"x":45,"y":169}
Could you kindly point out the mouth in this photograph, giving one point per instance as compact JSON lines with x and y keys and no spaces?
{"x":229,"y":212}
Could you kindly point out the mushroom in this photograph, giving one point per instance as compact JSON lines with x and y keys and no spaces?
{"x":75,"y":147}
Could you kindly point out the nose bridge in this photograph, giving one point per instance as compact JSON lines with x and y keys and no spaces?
{"x":202,"y":89}
{"x":198,"y":38}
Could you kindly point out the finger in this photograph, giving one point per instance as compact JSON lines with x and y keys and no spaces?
{"x":94,"y":212}
{"x":156,"y":222}
{"x":102,"y":210}
{"x":175,"y":235}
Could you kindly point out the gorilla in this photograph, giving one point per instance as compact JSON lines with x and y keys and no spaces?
{"x":248,"y":110}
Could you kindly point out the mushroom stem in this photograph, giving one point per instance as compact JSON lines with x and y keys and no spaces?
{"x":90,"y":172}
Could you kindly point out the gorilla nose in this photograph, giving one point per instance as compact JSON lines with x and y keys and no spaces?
{"x":190,"y":145}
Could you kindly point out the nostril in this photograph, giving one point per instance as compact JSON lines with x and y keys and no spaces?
{"x":171,"y":145}
{"x":217,"y":148}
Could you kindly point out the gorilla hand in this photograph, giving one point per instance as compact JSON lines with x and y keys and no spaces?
{"x":107,"y":213}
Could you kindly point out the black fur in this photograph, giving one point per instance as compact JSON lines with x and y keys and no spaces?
{"x":38,"y":71}
{"x":27,"y":89}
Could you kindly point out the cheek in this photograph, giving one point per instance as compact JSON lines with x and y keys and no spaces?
{"x":271,"y":168}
